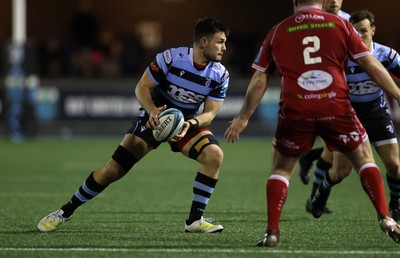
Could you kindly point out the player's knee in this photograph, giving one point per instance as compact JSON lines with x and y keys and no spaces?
{"x":393,"y":169}
{"x":124,"y":158}
{"x":208,"y":147}
{"x":214,"y":156}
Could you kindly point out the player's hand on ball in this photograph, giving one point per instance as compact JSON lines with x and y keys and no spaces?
{"x":182,"y":134}
{"x":153,"y":117}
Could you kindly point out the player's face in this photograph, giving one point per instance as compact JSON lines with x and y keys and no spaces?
{"x":333,"y":6}
{"x":366,"y":31}
{"x":215,"y":47}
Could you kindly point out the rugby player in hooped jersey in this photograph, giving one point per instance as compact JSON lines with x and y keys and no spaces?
{"x":312,"y":64}
{"x":182,"y":78}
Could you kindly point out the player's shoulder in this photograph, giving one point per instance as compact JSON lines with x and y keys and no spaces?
{"x":344,"y":15}
{"x":178,"y":53}
{"x":382,"y":49}
{"x":218,"y":67}
{"x":220,"y":70}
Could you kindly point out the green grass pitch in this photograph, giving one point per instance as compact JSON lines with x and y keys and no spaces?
{"x":143,"y":214}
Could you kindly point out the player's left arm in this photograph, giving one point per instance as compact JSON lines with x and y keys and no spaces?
{"x":211,"y":108}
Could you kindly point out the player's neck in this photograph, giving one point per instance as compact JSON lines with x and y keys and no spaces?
{"x":199,"y":60}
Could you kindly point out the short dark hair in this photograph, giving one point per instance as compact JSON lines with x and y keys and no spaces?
{"x":208,"y":26}
{"x":360,"y":15}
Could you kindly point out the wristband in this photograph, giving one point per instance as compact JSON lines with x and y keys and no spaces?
{"x":194,"y":125}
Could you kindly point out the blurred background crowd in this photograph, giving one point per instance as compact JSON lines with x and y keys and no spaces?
{"x":83,"y":57}
{"x":104,"y":38}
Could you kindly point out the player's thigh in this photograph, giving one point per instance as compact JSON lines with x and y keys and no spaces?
{"x":327,"y":155}
{"x":283,"y":165}
{"x":389,"y":154}
{"x":361,"y":155}
{"x":135,"y":145}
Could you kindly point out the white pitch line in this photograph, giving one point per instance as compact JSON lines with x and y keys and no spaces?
{"x":191,"y":250}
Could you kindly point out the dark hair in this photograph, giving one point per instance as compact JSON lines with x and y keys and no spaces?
{"x":208,"y":26}
{"x":358,"y":16}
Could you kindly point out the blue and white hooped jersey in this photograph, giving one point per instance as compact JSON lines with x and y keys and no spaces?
{"x":362,"y":88}
{"x":344,"y":15}
{"x":181,"y":85}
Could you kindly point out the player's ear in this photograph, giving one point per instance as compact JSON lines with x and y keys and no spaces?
{"x":373,"y":30}
{"x":203,"y":42}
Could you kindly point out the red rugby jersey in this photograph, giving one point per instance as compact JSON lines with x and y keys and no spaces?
{"x":310,"y":49}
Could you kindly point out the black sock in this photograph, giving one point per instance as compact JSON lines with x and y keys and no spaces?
{"x":202,"y":190}
{"x":321,"y":169}
{"x":89,"y":189}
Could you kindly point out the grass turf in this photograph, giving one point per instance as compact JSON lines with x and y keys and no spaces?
{"x":142,"y":215}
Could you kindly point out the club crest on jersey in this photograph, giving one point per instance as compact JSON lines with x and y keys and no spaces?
{"x":207,"y":82}
{"x":315,"y":80}
{"x":216,"y":66}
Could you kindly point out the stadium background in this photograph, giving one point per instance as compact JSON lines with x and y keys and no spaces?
{"x":89,"y":55}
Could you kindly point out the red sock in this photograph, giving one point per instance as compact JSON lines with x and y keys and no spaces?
{"x":371,"y":181}
{"x":277,"y":190}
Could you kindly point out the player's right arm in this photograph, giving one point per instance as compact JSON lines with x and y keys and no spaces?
{"x":378,"y":73}
{"x":254,"y":94}
{"x":143,"y":94}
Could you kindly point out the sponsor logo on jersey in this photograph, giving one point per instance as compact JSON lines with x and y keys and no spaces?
{"x":363,"y":88}
{"x":185,"y":96}
{"x":315,"y":80}
{"x":167,"y":56}
{"x":301,"y":17}
{"x":311,"y":26}
{"x":323,"y":95}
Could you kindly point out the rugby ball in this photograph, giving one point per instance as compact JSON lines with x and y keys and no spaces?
{"x":171,"y":123}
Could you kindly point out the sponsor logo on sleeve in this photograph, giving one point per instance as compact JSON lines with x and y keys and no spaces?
{"x":167,"y":56}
